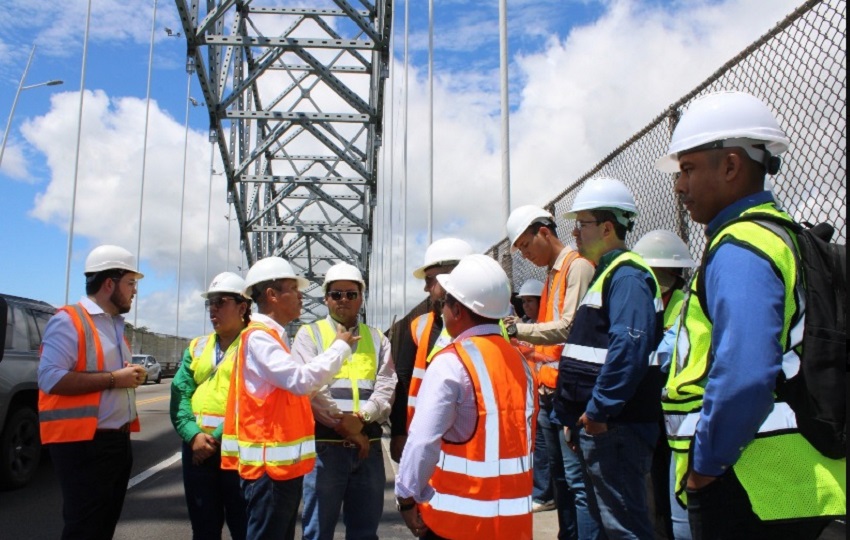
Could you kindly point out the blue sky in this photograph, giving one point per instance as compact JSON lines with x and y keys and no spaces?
{"x":576,"y":60}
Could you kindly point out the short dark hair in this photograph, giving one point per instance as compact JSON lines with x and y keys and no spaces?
{"x":94,"y":280}
{"x":601,"y":216}
{"x":534,"y":228}
{"x":258,"y":290}
{"x":451,"y":301}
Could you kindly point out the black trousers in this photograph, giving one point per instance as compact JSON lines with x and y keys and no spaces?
{"x":93,"y":476}
{"x":722,"y":511}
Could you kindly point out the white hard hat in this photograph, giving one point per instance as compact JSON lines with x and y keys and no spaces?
{"x":531,"y":287}
{"x":524,"y":217}
{"x":479,"y":283}
{"x":107,"y":257}
{"x":738,"y":118}
{"x":269,"y":269}
{"x":343,"y":272}
{"x":443,"y":252}
{"x":603,"y":194}
{"x":226,"y":282}
{"x":664,"y":249}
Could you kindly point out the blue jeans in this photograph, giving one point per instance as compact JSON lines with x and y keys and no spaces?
{"x":213,"y":496}
{"x":617,"y":463}
{"x":543,"y":491}
{"x":341,"y":481}
{"x":678,"y":513}
{"x":272,"y":507}
{"x":575,"y":518}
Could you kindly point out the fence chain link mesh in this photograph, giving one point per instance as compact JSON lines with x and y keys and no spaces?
{"x":799,"y":69}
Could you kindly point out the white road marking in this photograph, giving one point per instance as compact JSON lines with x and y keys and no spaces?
{"x":141,"y":477}
{"x":386,"y":444}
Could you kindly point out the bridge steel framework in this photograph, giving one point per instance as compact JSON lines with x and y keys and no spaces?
{"x":295,"y":103}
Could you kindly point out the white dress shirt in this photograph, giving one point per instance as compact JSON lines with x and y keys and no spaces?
{"x":445,"y":408}
{"x":59,"y":357}
{"x":379,"y":404}
{"x":269,"y":366}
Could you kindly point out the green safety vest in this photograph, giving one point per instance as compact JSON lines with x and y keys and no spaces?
{"x":784,"y":476}
{"x":355,"y":382}
{"x":674,"y":307}
{"x":209,"y":402}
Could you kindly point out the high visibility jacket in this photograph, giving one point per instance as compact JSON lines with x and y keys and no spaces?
{"x":272,"y":435}
{"x":586,"y":349}
{"x":74,"y":418}
{"x":674,"y":308}
{"x":355,"y":382}
{"x":483,"y":485}
{"x":209,"y":402}
{"x":550,"y":310}
{"x":783,"y":475}
{"x":420,"y":329}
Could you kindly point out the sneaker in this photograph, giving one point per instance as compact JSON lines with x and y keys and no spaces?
{"x":537,"y":506}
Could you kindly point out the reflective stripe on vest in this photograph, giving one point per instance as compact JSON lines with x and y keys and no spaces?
{"x":271,"y":435}
{"x":814,"y":485}
{"x":483,"y":486}
{"x":355,"y":381}
{"x":420,"y":329}
{"x":74,"y":418}
{"x":209,"y":401}
{"x":552,"y":303}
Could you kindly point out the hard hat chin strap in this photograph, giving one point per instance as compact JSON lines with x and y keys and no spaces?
{"x":771,"y":163}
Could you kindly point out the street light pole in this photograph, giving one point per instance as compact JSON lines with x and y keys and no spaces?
{"x":21,"y":88}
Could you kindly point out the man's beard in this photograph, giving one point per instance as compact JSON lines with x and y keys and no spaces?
{"x":120,"y":302}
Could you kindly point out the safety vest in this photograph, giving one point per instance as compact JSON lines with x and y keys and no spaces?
{"x":272,"y":435}
{"x":209,"y":402}
{"x":586,"y":349}
{"x":674,"y":308}
{"x":74,"y":418}
{"x":483,"y":486}
{"x":420,"y":330}
{"x":784,"y":476}
{"x":551,"y":309}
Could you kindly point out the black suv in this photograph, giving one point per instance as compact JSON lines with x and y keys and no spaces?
{"x":22,"y":323}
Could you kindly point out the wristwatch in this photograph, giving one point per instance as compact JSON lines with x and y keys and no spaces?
{"x":403,"y":505}
{"x":511,"y":330}
{"x":364,"y":416}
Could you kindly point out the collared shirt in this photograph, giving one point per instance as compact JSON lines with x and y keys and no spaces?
{"x":379,"y":403}
{"x":578,"y":280}
{"x":632,"y":338}
{"x":269,"y":366}
{"x":59,"y":357}
{"x":746,"y":302}
{"x":445,"y":408}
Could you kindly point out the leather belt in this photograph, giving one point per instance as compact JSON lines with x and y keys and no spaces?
{"x":123,"y":429}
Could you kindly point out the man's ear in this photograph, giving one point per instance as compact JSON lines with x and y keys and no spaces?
{"x":734,"y":165}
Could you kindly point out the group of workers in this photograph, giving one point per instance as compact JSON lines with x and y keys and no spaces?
{"x":267,"y":421}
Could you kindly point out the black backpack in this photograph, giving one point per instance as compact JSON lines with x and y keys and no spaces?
{"x":817,"y":394}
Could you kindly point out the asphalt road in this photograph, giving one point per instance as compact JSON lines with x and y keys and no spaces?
{"x":155,"y":507}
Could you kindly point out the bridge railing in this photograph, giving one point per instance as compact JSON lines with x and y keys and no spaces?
{"x":799,"y":69}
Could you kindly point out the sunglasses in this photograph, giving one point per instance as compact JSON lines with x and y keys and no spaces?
{"x":218,"y":302}
{"x":337,"y":295}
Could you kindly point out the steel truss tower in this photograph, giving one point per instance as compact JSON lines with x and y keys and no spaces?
{"x":295,"y":100}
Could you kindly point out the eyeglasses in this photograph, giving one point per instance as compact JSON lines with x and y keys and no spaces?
{"x":133,"y":283}
{"x":579,"y":225}
{"x":337,"y":295}
{"x":218,"y":302}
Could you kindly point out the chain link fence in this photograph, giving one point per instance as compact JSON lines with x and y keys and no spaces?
{"x":799,"y":69}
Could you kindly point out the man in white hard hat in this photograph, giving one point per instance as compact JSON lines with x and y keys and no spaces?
{"x":668,"y":256}
{"x":349,"y":473}
{"x":268,"y":427}
{"x":466,"y":470}
{"x":533,"y":233}
{"x":743,"y":468}
{"x":419,"y":341}
{"x":87,"y":398}
{"x":606,"y":386}
{"x":198,"y":406}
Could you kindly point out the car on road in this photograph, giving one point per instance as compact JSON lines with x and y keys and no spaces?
{"x":22,"y":323}
{"x":154,"y":370}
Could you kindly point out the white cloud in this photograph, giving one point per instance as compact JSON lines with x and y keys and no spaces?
{"x":576,"y":99}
